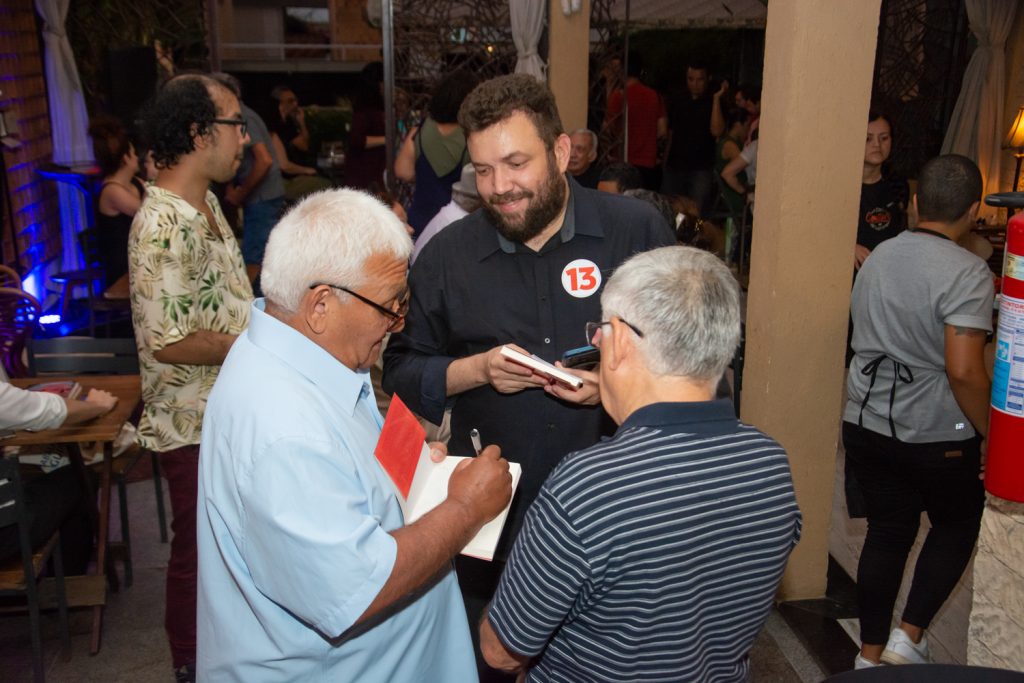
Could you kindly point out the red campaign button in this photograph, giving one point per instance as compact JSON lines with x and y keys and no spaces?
{"x":581,"y":278}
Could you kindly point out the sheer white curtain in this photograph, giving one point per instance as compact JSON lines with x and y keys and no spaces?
{"x":527,"y":19}
{"x":975,"y":129}
{"x":69,"y":121}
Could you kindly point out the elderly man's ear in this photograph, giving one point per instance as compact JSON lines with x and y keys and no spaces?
{"x":313,"y":309}
{"x":617,"y":347}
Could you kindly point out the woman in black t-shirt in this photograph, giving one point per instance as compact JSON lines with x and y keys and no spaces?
{"x":883,"y":214}
{"x":120,"y":196}
{"x":883,"y":201}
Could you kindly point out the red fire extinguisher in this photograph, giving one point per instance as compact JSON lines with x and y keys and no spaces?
{"x":1004,"y":466}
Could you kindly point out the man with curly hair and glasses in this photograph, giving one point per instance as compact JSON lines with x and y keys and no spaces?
{"x":190,"y":299}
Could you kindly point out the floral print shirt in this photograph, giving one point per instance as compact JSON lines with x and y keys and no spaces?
{"x":185,"y":275}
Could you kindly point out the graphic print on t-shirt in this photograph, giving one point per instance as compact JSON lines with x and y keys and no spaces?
{"x":878,"y":218}
{"x":581,"y":278}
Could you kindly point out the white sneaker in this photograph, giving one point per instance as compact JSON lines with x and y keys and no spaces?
{"x":902,"y":650}
{"x":860,"y":663}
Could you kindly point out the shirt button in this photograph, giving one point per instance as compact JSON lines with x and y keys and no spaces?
{"x":547,"y":340}
{"x":551,"y":426}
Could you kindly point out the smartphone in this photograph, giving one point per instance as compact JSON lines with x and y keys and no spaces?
{"x":582,"y":358}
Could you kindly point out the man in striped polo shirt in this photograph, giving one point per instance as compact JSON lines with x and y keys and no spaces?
{"x":653,"y":555}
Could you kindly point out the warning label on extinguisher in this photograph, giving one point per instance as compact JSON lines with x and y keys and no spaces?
{"x":1008,"y":372}
{"x":1013,"y":266}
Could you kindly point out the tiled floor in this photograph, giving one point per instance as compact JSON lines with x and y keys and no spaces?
{"x":823,"y":625}
{"x":134,"y":646}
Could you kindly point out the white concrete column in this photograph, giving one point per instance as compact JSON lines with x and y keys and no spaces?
{"x":819,"y":58}
{"x":568,"y":66}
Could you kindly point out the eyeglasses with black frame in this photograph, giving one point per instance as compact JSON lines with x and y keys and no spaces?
{"x":242,"y":124}
{"x":592,"y":329}
{"x":395,"y":316}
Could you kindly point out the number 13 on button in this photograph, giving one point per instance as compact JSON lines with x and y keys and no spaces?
{"x":581,"y":278}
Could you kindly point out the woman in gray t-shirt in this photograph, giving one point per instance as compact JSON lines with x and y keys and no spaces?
{"x":918,"y":409}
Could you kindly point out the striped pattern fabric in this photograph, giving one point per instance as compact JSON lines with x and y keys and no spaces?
{"x":654,"y":555}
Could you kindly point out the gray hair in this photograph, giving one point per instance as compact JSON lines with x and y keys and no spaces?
{"x":593,"y":137}
{"x":466,"y":202}
{"x":327,"y":237}
{"x":687,"y":304}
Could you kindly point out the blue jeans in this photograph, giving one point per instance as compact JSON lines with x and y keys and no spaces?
{"x":258,"y":219}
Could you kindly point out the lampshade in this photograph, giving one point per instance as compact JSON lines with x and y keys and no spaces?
{"x":1015,"y":138}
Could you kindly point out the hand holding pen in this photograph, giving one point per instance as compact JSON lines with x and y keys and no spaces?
{"x":485,"y":478}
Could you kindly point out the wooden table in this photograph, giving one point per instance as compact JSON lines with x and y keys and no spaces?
{"x":91,"y":590}
{"x":118,"y":291}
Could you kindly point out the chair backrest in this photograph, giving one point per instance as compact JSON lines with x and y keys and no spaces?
{"x":89,"y":243}
{"x":9,"y":277}
{"x":82,"y":355}
{"x":19,"y":317}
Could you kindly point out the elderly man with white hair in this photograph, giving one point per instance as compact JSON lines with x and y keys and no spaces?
{"x":582,"y":156}
{"x":306,"y":569}
{"x":653,"y":555}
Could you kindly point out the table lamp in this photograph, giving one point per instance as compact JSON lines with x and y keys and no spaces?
{"x":1015,"y":141}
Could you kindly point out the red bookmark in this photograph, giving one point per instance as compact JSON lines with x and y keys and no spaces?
{"x":400,"y":445}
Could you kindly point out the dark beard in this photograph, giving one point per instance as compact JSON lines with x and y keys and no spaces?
{"x":538,"y":214}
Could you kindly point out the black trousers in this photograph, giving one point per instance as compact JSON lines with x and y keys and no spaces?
{"x":898,"y":481}
{"x":55,"y":501}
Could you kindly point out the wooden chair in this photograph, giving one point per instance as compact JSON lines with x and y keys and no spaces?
{"x":9,"y":277}
{"x":21,"y":576}
{"x":92,"y":277}
{"x":19,"y":317}
{"x":110,"y":308}
{"x":85,"y":355}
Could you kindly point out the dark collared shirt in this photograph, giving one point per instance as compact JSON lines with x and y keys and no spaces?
{"x":589,"y":177}
{"x":473,"y":290}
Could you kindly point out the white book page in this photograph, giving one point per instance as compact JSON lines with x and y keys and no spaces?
{"x":427,"y":494}
{"x":542,"y":367}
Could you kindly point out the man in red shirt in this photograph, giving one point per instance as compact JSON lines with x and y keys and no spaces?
{"x":647,"y":123}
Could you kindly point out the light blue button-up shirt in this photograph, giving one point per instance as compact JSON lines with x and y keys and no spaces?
{"x":293,"y":521}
